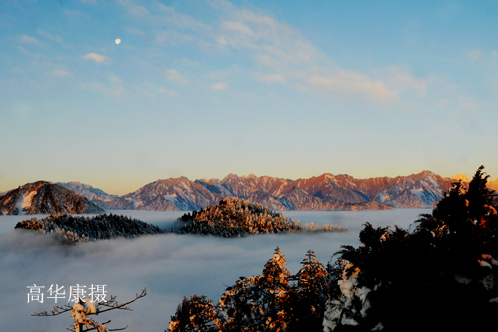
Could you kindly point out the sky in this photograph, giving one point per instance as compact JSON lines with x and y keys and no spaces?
{"x":206,"y":88}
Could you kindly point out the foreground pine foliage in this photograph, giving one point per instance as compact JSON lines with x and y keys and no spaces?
{"x":272,"y":301}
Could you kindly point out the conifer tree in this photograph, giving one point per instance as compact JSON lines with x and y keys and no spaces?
{"x":194,"y":315}
{"x":275,"y":285}
{"x":242,"y":306}
{"x":309,"y":296}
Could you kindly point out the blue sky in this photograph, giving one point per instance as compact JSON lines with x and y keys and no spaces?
{"x":278,"y":88}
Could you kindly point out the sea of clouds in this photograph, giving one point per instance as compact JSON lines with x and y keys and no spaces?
{"x":170,"y":266}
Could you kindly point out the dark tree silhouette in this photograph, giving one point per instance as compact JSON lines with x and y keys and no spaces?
{"x":442,"y":276}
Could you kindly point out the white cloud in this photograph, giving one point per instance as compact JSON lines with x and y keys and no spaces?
{"x":219,"y":86}
{"x":29,"y":39}
{"x":98,"y":58}
{"x":174,"y":76}
{"x":348,"y":83}
{"x":59,"y":73}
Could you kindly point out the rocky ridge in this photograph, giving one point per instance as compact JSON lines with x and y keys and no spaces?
{"x":43,"y":197}
{"x":325,"y":192}
{"x":94,"y":195}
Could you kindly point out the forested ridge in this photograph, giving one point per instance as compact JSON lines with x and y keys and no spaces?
{"x":75,"y":229}
{"x":234,"y":217}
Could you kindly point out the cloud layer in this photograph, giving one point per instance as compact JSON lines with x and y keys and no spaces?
{"x":170,"y":266}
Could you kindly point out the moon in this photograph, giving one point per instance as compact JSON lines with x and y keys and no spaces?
{"x":118,"y":41}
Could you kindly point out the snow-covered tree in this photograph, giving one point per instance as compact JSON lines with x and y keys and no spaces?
{"x":82,"y":309}
{"x":242,"y":306}
{"x":194,"y":315}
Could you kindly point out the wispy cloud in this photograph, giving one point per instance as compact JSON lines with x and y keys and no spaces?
{"x":280,"y":53}
{"x":219,"y":86}
{"x":402,"y":79}
{"x":349,"y":83}
{"x":169,"y":16}
{"x":135,"y":9}
{"x":174,"y":76}
{"x":48,"y":35}
{"x":59,"y":73}
{"x":288,"y":57}
{"x":173,"y":38}
{"x":151,"y":91}
{"x":29,"y":39}
{"x":114,"y":87}
{"x":98,"y":58}
{"x":270,"y":78}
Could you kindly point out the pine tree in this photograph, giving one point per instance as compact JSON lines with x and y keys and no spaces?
{"x":309,"y":296}
{"x":194,"y":315}
{"x":275,"y":285}
{"x":242,"y":306}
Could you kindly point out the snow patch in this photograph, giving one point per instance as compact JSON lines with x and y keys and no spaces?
{"x":27,"y":199}
{"x":418,"y":192}
{"x":171,"y":198}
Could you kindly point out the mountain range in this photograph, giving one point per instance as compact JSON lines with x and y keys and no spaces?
{"x":324,"y":192}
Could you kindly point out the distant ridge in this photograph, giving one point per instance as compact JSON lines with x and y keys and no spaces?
{"x":324,"y":192}
{"x":95,"y":195}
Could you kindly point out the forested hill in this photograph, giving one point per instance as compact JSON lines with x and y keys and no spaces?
{"x":234,"y":217}
{"x":72,"y":229}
